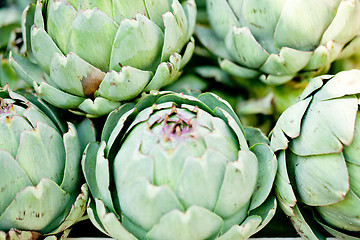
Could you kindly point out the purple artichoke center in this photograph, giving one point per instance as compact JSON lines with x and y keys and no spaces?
{"x":4,"y":107}
{"x":175,"y":126}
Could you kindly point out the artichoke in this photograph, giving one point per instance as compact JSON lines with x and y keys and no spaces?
{"x":99,"y":54}
{"x":279,"y":40}
{"x":40,"y":188}
{"x":317,"y":142}
{"x":179,"y":167}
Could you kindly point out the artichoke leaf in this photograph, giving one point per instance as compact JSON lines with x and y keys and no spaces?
{"x":104,"y":6}
{"x":189,"y":50}
{"x":266,"y":173}
{"x":91,"y":37}
{"x":333,"y":121}
{"x":244,"y":231}
{"x":349,"y":49}
{"x":244,"y":49}
{"x":93,"y":216}
{"x":283,"y":188}
{"x":91,"y":168}
{"x":347,"y":12}
{"x":123,"y":85}
{"x":275,"y":79}
{"x":320,"y":179}
{"x":138,"y":43}
{"x":315,"y":18}
{"x":169,"y":165}
{"x":221,"y":17}
{"x":348,"y":211}
{"x":113,"y":119}
{"x":314,"y":85}
{"x":27,"y":20}
{"x":354,"y":177}
{"x":146,"y":204}
{"x":208,"y":172}
{"x":126,"y":172}
{"x":342,"y":84}
{"x":33,"y":116}
{"x":222,"y":133}
{"x":12,"y":180}
{"x":27,"y":70}
{"x":38,"y":14}
{"x":323,"y":55}
{"x":174,"y":36}
{"x":41,"y":153}
{"x":57,"y":97}
{"x":287,"y":62}
{"x":43,"y":48}
{"x":72,"y":165}
{"x":77,"y":210}
{"x":288,"y":125}
{"x":110,"y":223}
{"x":12,"y":128}
{"x":261,"y":17}
{"x":237,"y":70}
{"x":334,"y":231}
{"x":115,"y":137}
{"x":164,"y":75}
{"x":60,"y":16}
{"x":36,"y":208}
{"x":98,"y":107}
{"x":242,"y":174}
{"x":75,"y":76}
{"x":195,"y":223}
{"x":304,"y":225}
{"x":86,"y":133}
{"x":134,"y":228}
{"x":235,"y":126}
{"x":155,"y":10}
{"x":128,"y":9}
{"x":236,"y":218}
{"x":266,"y":211}
{"x":190,"y":10}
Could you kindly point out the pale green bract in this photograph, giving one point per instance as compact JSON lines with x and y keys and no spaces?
{"x":40,"y":189}
{"x":179,"y":167}
{"x":277,"y":40}
{"x":317,"y":143}
{"x":100,"y":53}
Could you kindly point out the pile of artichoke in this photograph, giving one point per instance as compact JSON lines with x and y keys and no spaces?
{"x":179,"y":119}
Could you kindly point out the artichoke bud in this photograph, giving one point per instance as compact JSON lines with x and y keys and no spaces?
{"x":101,"y":53}
{"x":40,"y":170}
{"x":317,"y":141}
{"x":178,"y":166}
{"x":278,"y":41}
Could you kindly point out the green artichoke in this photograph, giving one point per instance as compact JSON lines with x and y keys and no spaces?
{"x":279,"y":40}
{"x":99,"y":54}
{"x":179,"y":167}
{"x":317,"y":141}
{"x":40,"y":173}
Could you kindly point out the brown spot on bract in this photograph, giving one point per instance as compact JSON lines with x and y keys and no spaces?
{"x":91,"y":82}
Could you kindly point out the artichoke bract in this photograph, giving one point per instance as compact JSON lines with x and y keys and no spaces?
{"x":279,"y":40}
{"x":99,"y":54}
{"x":317,"y":143}
{"x":179,"y":167}
{"x":40,"y":188}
